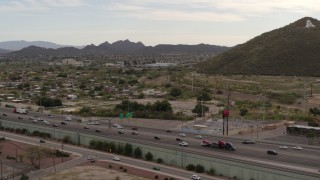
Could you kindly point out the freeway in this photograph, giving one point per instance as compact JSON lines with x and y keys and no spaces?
{"x":101,"y":156}
{"x":306,"y":160}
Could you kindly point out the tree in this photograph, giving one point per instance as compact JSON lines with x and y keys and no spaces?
{"x":128,"y":149}
{"x":310,"y":136}
{"x":175,"y":92}
{"x":198,"y":109}
{"x":190,"y":167}
{"x":243,"y":112}
{"x":199,"y":168}
{"x":149,"y":156}
{"x":204,"y":97}
{"x":137,"y":152}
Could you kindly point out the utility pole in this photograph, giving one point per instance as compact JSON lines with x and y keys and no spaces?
{"x":62,"y":152}
{"x":192,"y":82}
{"x":202,"y":109}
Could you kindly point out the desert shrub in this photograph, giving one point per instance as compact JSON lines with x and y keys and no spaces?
{"x":190,"y":167}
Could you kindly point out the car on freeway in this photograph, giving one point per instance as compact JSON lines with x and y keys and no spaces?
{"x":4,"y":115}
{"x":272,"y":152}
{"x":30,"y":118}
{"x":168,"y":131}
{"x":156,"y":168}
{"x":120,"y":132}
{"x":182,"y":134}
{"x":116,"y":158}
{"x":157,"y":137}
{"x":230,"y":146}
{"x":283,"y":147}
{"x":42,"y":141}
{"x":55,"y":125}
{"x":20,"y":117}
{"x":50,"y":116}
{"x":85,"y":127}
{"x":63,"y":123}
{"x":198,"y":136}
{"x":205,"y":143}
{"x":67,"y":118}
{"x":34,"y":121}
{"x":46,"y":122}
{"x":119,"y":127}
{"x":248,"y":142}
{"x":115,"y":124}
{"x":178,"y":139}
{"x":297,"y":148}
{"x":134,"y":133}
{"x":195,"y":177}
{"x":90,"y":158}
{"x":183,"y":143}
{"x":134,"y":128}
{"x":97,"y":130}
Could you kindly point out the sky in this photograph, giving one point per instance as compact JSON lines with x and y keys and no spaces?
{"x":152,"y":22}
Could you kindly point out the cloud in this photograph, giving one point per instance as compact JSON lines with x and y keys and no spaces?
{"x":210,"y":10}
{"x":36,"y":5}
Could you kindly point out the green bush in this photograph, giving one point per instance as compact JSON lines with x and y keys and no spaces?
{"x":137,"y":152}
{"x":211,"y":171}
{"x":149,"y":156}
{"x":190,"y":167}
{"x":159,"y":160}
{"x":199,"y":168}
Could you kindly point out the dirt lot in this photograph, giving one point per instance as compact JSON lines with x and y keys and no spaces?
{"x":18,"y":150}
{"x":91,"y":173}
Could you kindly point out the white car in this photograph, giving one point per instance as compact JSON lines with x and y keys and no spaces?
{"x":35,"y":121}
{"x":90,"y":158}
{"x":46,"y":122}
{"x":115,"y":125}
{"x":182,"y":134}
{"x":196,"y":177}
{"x":183,"y":144}
{"x":198,"y":136}
{"x":297,"y":148}
{"x":116,"y":158}
{"x":119,"y":127}
{"x":283,"y":147}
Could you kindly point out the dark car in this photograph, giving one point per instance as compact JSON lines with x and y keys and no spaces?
{"x":178,"y":139}
{"x":120,"y":132}
{"x":229,"y":146}
{"x":248,"y":142}
{"x":156,"y":168}
{"x":272,"y":152}
{"x":168,"y":131}
{"x":20,"y":117}
{"x":42,"y":141}
{"x":4,"y":114}
{"x":85,"y":127}
{"x":134,"y":133}
{"x":63,"y":123}
{"x":157,"y":137}
{"x":54,"y":125}
{"x":134,"y":128}
{"x":97,"y":130}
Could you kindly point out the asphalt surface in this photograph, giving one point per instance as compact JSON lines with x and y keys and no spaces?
{"x":304,"y":161}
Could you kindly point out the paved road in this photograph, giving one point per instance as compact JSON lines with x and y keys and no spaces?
{"x":84,"y":152}
{"x":307,"y":160}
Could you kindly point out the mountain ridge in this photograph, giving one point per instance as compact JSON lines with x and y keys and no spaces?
{"x":289,"y":50}
{"x":119,"y":47}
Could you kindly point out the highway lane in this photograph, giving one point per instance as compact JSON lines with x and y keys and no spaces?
{"x":305,"y":158}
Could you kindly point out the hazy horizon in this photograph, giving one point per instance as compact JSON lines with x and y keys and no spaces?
{"x":83,"y":22}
